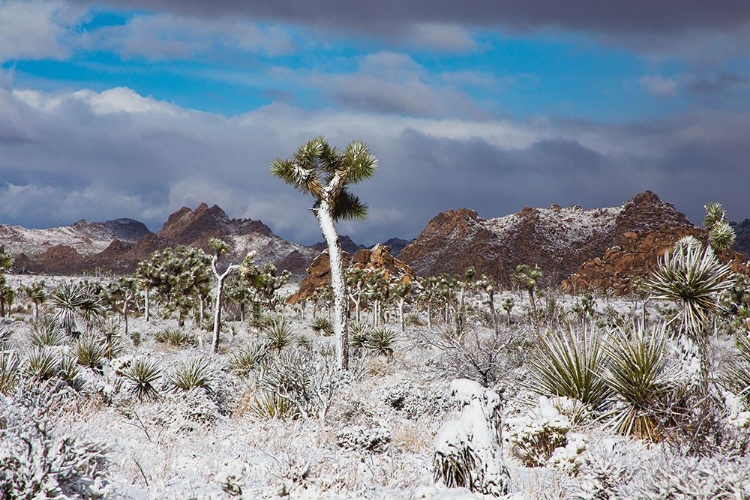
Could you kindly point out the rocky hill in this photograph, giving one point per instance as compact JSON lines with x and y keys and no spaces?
{"x":743,"y":237}
{"x":118,"y":246}
{"x":558,"y":240}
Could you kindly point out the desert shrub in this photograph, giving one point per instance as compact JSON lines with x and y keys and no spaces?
{"x":279,"y":333}
{"x":380,"y":341}
{"x":39,"y":458}
{"x":736,"y":373}
{"x":89,"y":352}
{"x":474,"y":355}
{"x":175,"y":337}
{"x":42,"y":363}
{"x":248,"y":358}
{"x":322,"y":326}
{"x":362,"y":438}
{"x":143,"y":376}
{"x":268,"y":406}
{"x":307,"y":379}
{"x":70,"y":373}
{"x":637,"y":373}
{"x":536,"y":436}
{"x":10,"y":365}
{"x":188,"y":411}
{"x":6,"y":330}
{"x":46,"y":332}
{"x":413,"y":320}
{"x":568,"y":364}
{"x":192,"y":374}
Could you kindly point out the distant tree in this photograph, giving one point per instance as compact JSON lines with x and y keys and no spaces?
{"x":5,"y":262}
{"x":121,"y":297}
{"x":37,"y":293}
{"x":325,"y":172}
{"x":527,"y":278}
{"x":220,"y":248}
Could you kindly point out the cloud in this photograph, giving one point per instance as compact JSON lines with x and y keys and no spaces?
{"x":101,"y":155}
{"x":661,"y":87}
{"x":168,"y":36}
{"x":36,"y":29}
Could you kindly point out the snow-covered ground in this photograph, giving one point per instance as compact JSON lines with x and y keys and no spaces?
{"x":377,"y":439}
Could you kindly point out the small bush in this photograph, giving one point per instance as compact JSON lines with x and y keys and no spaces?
{"x":69,"y":373}
{"x":322,"y":326}
{"x":10,"y":365}
{"x":248,"y":358}
{"x":42,"y":364}
{"x":192,"y":374}
{"x":175,"y":337}
{"x":279,"y":333}
{"x":268,"y":406}
{"x":89,"y":352}
{"x":381,"y":341}
{"x":142,"y":376}
{"x":46,"y":332}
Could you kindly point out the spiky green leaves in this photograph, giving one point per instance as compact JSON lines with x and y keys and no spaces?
{"x":324,"y":172}
{"x":721,"y":236}
{"x":637,"y":373}
{"x":692,"y":277}
{"x":569,"y":364}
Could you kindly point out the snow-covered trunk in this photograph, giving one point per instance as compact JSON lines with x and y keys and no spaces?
{"x":220,"y":278}
{"x":324,"y":214}
{"x":468,"y":451}
{"x":493,"y":312}
{"x":146,"y":305}
{"x":429,"y":315}
{"x":401,"y":312}
{"x":202,"y":310}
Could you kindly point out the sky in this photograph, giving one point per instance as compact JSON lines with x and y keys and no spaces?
{"x":137,"y":108}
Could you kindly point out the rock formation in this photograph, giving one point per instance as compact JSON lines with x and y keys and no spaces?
{"x":379,"y":258}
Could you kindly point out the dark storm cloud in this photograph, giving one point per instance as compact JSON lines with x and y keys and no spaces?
{"x":585,"y":15}
{"x":718,"y":83}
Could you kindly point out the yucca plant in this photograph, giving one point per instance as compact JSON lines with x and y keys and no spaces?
{"x":248,"y":358}
{"x":193,"y":373}
{"x":637,"y":373}
{"x":175,"y":337}
{"x":6,"y":330}
{"x":10,"y":365}
{"x":381,"y":341}
{"x":42,"y":363}
{"x":736,"y":374}
{"x":693,"y":278}
{"x":569,"y":364}
{"x":89,"y":352}
{"x":358,"y":335}
{"x":70,"y":372}
{"x":143,"y":376}
{"x":322,"y":326}
{"x":45,"y":331}
{"x":279,"y":333}
{"x":269,"y":406}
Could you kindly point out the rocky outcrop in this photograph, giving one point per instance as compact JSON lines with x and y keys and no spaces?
{"x":117,"y":246}
{"x":347,"y":245}
{"x":558,"y":240}
{"x":378,"y":258}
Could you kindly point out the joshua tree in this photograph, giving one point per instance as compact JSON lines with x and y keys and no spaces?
{"x":527,"y":277}
{"x":121,"y":297}
{"x":220,"y":248}
{"x":38,"y":295}
{"x":5,"y":263}
{"x":721,"y":235}
{"x":692,"y":277}
{"x":325,"y":172}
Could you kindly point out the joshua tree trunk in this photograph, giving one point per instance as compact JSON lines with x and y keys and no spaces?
{"x":324,"y":214}
{"x":146,"y":306}
{"x":217,"y":313}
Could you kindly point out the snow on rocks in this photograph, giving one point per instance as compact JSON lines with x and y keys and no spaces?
{"x":468,"y":452}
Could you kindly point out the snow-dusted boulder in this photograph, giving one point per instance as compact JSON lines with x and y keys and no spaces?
{"x":468,"y":452}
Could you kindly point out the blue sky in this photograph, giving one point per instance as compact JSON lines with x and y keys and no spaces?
{"x":134,"y":109}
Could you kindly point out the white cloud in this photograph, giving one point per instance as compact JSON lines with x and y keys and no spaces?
{"x":36,"y":29}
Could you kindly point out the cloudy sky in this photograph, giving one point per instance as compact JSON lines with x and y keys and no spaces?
{"x":136,"y":108}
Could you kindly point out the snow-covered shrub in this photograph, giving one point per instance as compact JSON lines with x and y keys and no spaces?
{"x":307,"y":379}
{"x":607,"y":466}
{"x":413,"y":401}
{"x":196,"y":372}
{"x":142,"y":378}
{"x":188,"y":411}
{"x":10,"y":365}
{"x":268,"y":405}
{"x":468,"y":450}
{"x":40,"y":459}
{"x":232,"y":476}
{"x":534,"y":438}
{"x":360,"y":437}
